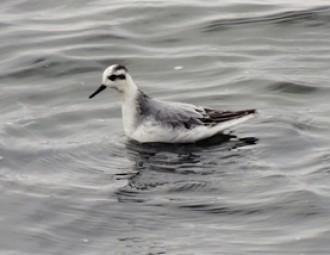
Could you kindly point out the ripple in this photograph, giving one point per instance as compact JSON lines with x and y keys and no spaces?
{"x":213,"y":209}
{"x":162,"y":169}
{"x":294,"y":88}
{"x":312,"y":18}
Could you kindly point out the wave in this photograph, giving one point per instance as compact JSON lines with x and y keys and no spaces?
{"x":311,"y":18}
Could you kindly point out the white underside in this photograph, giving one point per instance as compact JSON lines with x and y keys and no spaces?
{"x":150,"y":131}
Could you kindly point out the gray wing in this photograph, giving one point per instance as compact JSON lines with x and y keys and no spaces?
{"x":184,"y":115}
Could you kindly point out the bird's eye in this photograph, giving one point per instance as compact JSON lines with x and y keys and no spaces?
{"x":121,"y":76}
{"x":112,"y":77}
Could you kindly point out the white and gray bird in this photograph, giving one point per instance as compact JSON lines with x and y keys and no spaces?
{"x":146,"y":119}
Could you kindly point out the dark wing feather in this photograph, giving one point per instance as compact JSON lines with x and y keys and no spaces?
{"x":213,"y":117}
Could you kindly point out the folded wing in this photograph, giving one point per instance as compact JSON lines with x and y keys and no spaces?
{"x":186,"y":116}
{"x":213,"y":117}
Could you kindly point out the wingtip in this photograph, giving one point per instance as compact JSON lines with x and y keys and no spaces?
{"x":251,"y":111}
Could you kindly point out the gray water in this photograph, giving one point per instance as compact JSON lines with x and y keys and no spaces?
{"x":71,"y":183}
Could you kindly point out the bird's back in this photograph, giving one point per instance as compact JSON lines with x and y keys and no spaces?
{"x":170,"y":114}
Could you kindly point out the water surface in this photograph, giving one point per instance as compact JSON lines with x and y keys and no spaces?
{"x":70,"y":181}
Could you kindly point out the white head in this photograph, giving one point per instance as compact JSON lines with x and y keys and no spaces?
{"x":116,"y":77}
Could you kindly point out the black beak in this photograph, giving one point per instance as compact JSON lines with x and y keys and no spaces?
{"x":101,"y":88}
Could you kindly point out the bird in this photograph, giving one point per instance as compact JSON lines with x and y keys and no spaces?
{"x":150,"y":120}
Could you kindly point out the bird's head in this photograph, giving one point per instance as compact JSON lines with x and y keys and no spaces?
{"x":115,"y":76}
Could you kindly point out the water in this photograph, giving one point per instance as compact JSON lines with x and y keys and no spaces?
{"x":70,"y":181}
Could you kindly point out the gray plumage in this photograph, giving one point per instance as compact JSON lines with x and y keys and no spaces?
{"x":182,"y":115}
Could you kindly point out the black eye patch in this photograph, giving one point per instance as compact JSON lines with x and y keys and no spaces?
{"x":121,"y":76}
{"x":114,"y":77}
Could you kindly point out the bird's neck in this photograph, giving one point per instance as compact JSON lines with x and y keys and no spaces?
{"x":130,"y":91}
{"x":129,"y":106}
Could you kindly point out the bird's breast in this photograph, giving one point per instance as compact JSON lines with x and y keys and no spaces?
{"x":129,"y":118}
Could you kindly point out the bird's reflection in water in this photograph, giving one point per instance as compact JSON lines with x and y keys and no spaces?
{"x":176,"y":166}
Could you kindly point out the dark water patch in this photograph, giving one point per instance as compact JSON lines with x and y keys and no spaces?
{"x":224,"y":210}
{"x":293,"y":88}
{"x":301,"y":203}
{"x":91,"y":36}
{"x":311,"y":18}
{"x":106,"y":36}
{"x":308,"y":126}
{"x":190,"y":186}
{"x":47,"y":67}
{"x":125,"y":195}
